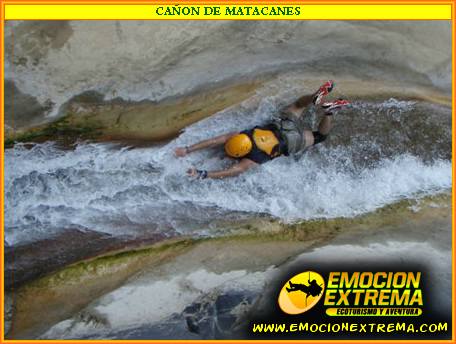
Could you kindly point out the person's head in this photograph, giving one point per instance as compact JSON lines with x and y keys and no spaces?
{"x":238,"y":146}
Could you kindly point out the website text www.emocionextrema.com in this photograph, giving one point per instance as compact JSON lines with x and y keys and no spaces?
{"x":349,"y":327}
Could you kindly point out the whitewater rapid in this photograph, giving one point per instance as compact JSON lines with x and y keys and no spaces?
{"x":121,"y":190}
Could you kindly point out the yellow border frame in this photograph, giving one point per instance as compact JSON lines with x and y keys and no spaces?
{"x":215,"y":2}
{"x":309,"y":11}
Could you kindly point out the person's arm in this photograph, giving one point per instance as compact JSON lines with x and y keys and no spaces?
{"x":212,"y":142}
{"x":232,"y":171}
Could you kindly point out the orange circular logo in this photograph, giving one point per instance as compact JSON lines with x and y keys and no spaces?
{"x":301,"y":292}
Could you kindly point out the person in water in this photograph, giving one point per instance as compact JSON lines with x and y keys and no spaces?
{"x":284,"y":135}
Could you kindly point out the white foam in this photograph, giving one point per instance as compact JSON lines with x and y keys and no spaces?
{"x":104,"y":188}
{"x":293,"y":190}
{"x":132,"y":196}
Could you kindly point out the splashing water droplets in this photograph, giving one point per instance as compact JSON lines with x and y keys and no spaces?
{"x":125,"y":191}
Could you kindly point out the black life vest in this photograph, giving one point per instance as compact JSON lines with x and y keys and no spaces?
{"x":267,"y":143}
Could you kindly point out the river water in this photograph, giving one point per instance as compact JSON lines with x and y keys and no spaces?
{"x":380,"y":153}
{"x":64,"y":204}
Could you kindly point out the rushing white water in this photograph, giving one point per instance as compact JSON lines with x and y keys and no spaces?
{"x":145,"y":190}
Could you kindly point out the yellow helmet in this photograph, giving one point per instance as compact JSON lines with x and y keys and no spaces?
{"x":238,"y":146}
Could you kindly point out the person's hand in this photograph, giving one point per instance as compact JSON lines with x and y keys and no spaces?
{"x":181,"y":151}
{"x":197,"y":174}
{"x":192,"y":172}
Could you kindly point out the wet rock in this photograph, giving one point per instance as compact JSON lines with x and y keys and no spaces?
{"x":216,"y":315}
{"x":27,"y":262}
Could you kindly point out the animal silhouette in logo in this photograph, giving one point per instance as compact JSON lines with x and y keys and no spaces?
{"x":311,"y":289}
